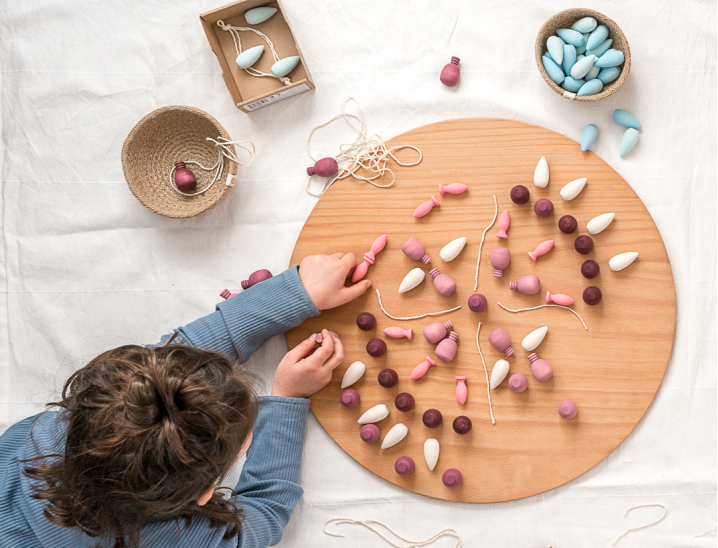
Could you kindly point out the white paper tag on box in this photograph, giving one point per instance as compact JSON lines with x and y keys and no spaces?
{"x":286,"y":94}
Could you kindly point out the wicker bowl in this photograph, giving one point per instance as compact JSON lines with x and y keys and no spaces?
{"x":160,"y":139}
{"x":564,"y":20}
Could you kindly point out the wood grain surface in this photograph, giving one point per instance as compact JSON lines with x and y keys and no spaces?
{"x":612,"y":371}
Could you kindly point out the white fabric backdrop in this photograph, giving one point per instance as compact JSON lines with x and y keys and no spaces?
{"x":86,"y":267}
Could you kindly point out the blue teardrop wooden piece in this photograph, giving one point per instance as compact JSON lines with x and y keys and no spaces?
{"x":608,"y":75}
{"x":586,"y":24}
{"x":259,"y":15}
{"x":601,"y":49}
{"x":599,"y":34}
{"x":553,"y":70}
{"x":612,"y":58}
{"x":572,"y":85}
{"x":593,"y":73}
{"x":626,"y":119}
{"x":571,"y":37}
{"x":250,"y":56}
{"x":569,"y":58}
{"x":581,"y":68}
{"x":555,"y":47}
{"x":592,"y":87}
{"x":628,"y":141}
{"x":590,"y":132}
{"x":285,"y":66}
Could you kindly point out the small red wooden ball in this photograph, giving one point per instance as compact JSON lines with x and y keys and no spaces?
{"x":583,"y":244}
{"x":592,"y":295}
{"x":568,"y":224}
{"x":590,"y":269}
{"x":520,"y":194}
{"x":376,"y":348}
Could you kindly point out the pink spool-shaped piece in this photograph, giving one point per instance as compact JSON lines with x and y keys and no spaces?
{"x":424,"y":208}
{"x":558,"y":298}
{"x":528,"y":285}
{"x":443,"y":283}
{"x":453,"y":188}
{"x":256,"y":277}
{"x":541,"y":249}
{"x":446,"y":350}
{"x":500,"y":259}
{"x":450,"y":73}
{"x":398,"y":332}
{"x":540,"y":369}
{"x":436,"y":331}
{"x":226,"y":294}
{"x":326,"y":167}
{"x":504,"y":222}
{"x":461,"y":390}
{"x":567,"y":409}
{"x":421,"y":369}
{"x":185,"y":180}
{"x":500,"y":340}
{"x":518,"y":382}
{"x":414,"y":249}
{"x":369,"y":258}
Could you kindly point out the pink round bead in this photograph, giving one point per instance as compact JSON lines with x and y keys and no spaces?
{"x":369,"y":433}
{"x":518,"y":382}
{"x":326,"y":167}
{"x":450,"y":73}
{"x":478,"y":303}
{"x":350,"y":398}
{"x":184,"y":178}
{"x":567,"y":409}
{"x":404,"y":466}
{"x":256,"y":277}
{"x":500,"y":258}
{"x":452,"y":478}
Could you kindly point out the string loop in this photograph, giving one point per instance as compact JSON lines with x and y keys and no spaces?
{"x":409,"y":543}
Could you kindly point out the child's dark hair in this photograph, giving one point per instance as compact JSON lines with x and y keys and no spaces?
{"x":148,"y":431}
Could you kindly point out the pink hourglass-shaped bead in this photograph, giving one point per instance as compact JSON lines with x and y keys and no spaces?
{"x":184,"y":178}
{"x":256,"y":277}
{"x":424,"y":208}
{"x":436,"y":331}
{"x":500,"y":340}
{"x":500,"y":258}
{"x":369,"y":258}
{"x":414,"y":249}
{"x":450,"y":73}
{"x":540,"y":369}
{"x":564,"y":300}
{"x":461,"y":390}
{"x":226,"y":294}
{"x":453,"y":188}
{"x":326,"y":167}
{"x":443,"y":283}
{"x":542,"y":249}
{"x":398,"y":332}
{"x":504,"y":222}
{"x":518,"y":382}
{"x":421,"y":369}
{"x":446,"y":350}
{"x":528,"y":285}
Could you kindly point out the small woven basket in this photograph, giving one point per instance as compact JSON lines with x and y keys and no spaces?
{"x":160,"y":139}
{"x":564,"y":20}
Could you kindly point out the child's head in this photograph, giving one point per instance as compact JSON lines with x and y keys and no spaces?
{"x":149,"y":430}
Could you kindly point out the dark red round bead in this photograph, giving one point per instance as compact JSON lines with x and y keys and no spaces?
{"x":432,"y":418}
{"x":520,"y":194}
{"x":462,"y":424}
{"x":388,"y":378}
{"x":567,"y":224}
{"x":583,"y":244}
{"x":592,"y":295}
{"x":590,"y":269}
{"x":376,"y":348}
{"x":404,"y":402}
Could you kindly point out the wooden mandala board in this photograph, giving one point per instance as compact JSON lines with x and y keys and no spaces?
{"x":612,"y":371}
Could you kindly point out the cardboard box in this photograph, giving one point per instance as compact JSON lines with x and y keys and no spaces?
{"x":250,"y":92}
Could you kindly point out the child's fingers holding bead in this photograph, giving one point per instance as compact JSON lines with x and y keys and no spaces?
{"x":336,"y":358}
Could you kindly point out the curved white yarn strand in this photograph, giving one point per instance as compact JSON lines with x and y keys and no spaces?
{"x":365,"y":152}
{"x":234,"y":32}
{"x":413,"y":317}
{"x":545,"y":306}
{"x":481,"y":245}
{"x":488,"y":385}
{"x":409,"y":543}
{"x":656,"y":504}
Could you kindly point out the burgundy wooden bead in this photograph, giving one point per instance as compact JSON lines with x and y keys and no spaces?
{"x":184,"y":178}
{"x":583,"y":244}
{"x":350,"y":398}
{"x":256,"y":277}
{"x":568,"y":224}
{"x":590,"y":269}
{"x":432,"y":418}
{"x":404,"y":466}
{"x":462,"y":424}
{"x":326,"y":167}
{"x":543,"y":208}
{"x":592,"y":295}
{"x":376,"y":348}
{"x":478,"y":303}
{"x":388,"y":378}
{"x":366,"y":321}
{"x":520,"y":194}
{"x":404,"y":402}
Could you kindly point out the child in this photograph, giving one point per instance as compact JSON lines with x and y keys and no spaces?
{"x":143,"y":434}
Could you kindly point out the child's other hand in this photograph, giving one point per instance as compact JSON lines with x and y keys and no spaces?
{"x":323,"y":277}
{"x":299,"y":375}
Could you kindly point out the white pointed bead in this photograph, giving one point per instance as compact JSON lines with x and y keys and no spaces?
{"x":431,"y":452}
{"x":619,"y":262}
{"x":498,"y":373}
{"x":249,"y":56}
{"x":374,"y":414}
{"x":411,"y":280}
{"x":451,"y":250}
{"x":573,"y":189}
{"x":599,"y":224}
{"x":353,"y":373}
{"x":397,"y":433}
{"x":259,"y":15}
{"x":541,"y":173}
{"x":535,"y":338}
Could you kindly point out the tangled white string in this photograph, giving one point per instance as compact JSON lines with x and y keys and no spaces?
{"x":224,"y":152}
{"x":409,"y":543}
{"x":234,"y":31}
{"x":544,"y":306}
{"x":481,"y":246}
{"x":365,"y":152}
{"x":488,"y":386}
{"x":615,"y":541}
{"x":413,"y":317}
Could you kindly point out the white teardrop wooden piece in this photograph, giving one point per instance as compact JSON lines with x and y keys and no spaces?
{"x":431,"y":452}
{"x":250,"y":56}
{"x":451,"y":250}
{"x":599,"y":224}
{"x":259,"y":15}
{"x":535,"y":338}
{"x":374,"y":414}
{"x":411,"y":280}
{"x":573,"y":189}
{"x":397,"y":433}
{"x":499,"y":372}
{"x":619,"y":262}
{"x":541,"y":173}
{"x":353,"y":373}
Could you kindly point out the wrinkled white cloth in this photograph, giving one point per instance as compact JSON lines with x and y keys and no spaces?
{"x":86,"y":267}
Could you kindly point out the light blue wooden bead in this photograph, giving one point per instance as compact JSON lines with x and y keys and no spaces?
{"x":593,"y":73}
{"x":579,"y":57}
{"x":555,"y":48}
{"x":250,"y":56}
{"x":628,"y":141}
{"x":626,"y":119}
{"x":586,"y":24}
{"x":592,"y":87}
{"x":569,"y":58}
{"x":285,"y":66}
{"x":582,"y":66}
{"x":571,"y":37}
{"x":572,"y":85}
{"x":582,"y":49}
{"x":590,"y":132}
{"x":601,"y":49}
{"x":259,"y":15}
{"x":608,"y":75}
{"x":553,"y":70}
{"x":599,"y":34}
{"x":612,"y":58}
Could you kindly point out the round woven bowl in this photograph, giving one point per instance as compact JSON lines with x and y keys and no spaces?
{"x":564,"y":20}
{"x":160,"y":139}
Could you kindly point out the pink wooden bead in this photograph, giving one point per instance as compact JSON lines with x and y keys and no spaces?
{"x":184,"y":179}
{"x":404,"y":466}
{"x":500,"y":340}
{"x":461,"y":390}
{"x":256,"y":277}
{"x":326,"y":167}
{"x":504,"y":222}
{"x":369,"y":433}
{"x":540,"y":369}
{"x":436,"y":331}
{"x":414,"y":249}
{"x":421,"y":369}
{"x":564,"y":300}
{"x":226,"y":294}
{"x":518,"y":382}
{"x":369,"y":258}
{"x":567,"y":409}
{"x":452,"y":478}
{"x":424,"y":208}
{"x":443,"y":283}
{"x":350,"y":398}
{"x":453,"y":188}
{"x":500,"y":259}
{"x":528,"y":285}
{"x":542,"y":249}
{"x":450,"y":73}
{"x":398,"y":332}
{"x":446,"y":350}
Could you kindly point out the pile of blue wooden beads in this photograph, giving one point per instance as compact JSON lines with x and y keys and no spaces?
{"x":580,"y":59}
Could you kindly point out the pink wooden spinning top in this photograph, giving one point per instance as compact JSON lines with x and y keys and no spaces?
{"x":404,"y":466}
{"x":398,"y":332}
{"x":500,"y":258}
{"x":184,"y":179}
{"x":452,"y":478}
{"x":528,"y":285}
{"x":540,"y":369}
{"x":326,"y":167}
{"x":369,"y":258}
{"x":350,"y":398}
{"x":504,"y":222}
{"x":500,"y":340}
{"x":567,"y":409}
{"x":421,"y":369}
{"x":478,"y":303}
{"x":443,"y":283}
{"x":436,"y":331}
{"x":461,"y":391}
{"x":542,"y":249}
{"x":256,"y":277}
{"x":446,"y":350}
{"x":518,"y":382}
{"x":414,"y":249}
{"x":369,"y":433}
{"x":450,"y":73}
{"x":453,"y":188}
{"x":564,"y":300}
{"x":424,"y":208}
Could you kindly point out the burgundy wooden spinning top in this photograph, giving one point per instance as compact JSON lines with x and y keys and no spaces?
{"x":404,"y":466}
{"x":450,"y":73}
{"x":326,"y":167}
{"x":590,"y":269}
{"x":184,"y":178}
{"x":543,"y":208}
{"x":443,"y":283}
{"x":478,"y":303}
{"x":567,"y":224}
{"x":520,"y":194}
{"x":462,"y":424}
{"x":388,"y":378}
{"x":583,"y":244}
{"x":376,"y":348}
{"x":432,"y":418}
{"x":256,"y":277}
{"x":366,"y":321}
{"x":414,"y":249}
{"x":404,"y":402}
{"x":592,"y":295}
{"x":452,"y":478}
{"x":369,"y":433}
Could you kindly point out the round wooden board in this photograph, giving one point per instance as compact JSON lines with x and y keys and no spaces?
{"x":612,"y":371}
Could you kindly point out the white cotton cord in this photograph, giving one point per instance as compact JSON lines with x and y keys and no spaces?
{"x":413,"y":317}
{"x":481,"y":245}
{"x":409,"y":543}
{"x":365,"y":152}
{"x":704,"y":534}
{"x":545,"y":306}
{"x":615,"y":541}
{"x":486,"y":372}
{"x":234,"y":31}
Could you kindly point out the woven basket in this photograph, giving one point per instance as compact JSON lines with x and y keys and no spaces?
{"x":160,"y":139}
{"x":564,"y":20}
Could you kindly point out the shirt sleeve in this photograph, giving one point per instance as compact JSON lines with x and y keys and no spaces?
{"x":243,"y":323}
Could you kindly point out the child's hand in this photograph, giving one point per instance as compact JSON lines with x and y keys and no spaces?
{"x":323,"y":277}
{"x":299,"y":375}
